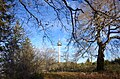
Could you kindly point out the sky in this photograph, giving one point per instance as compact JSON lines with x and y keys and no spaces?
{"x":55,"y":33}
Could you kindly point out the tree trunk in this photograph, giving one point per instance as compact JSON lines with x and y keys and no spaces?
{"x":100,"y":58}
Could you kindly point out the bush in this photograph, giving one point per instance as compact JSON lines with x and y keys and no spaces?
{"x":116,"y":61}
{"x":37,"y":76}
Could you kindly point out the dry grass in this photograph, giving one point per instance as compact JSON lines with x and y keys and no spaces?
{"x":82,"y":75}
{"x":112,"y":72}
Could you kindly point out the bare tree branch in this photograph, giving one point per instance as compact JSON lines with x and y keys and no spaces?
{"x":39,"y":22}
{"x":114,"y":37}
{"x":70,"y":8}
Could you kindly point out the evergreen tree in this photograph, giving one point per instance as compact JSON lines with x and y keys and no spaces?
{"x":13,"y":48}
{"x":5,"y":32}
{"x":27,"y":63}
{"x":16,"y":51}
{"x":19,"y":55}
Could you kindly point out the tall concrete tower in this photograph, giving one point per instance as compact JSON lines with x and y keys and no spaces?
{"x":59,"y":44}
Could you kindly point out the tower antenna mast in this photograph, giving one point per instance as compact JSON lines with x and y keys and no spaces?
{"x":59,"y":44}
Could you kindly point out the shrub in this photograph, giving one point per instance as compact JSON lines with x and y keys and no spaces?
{"x":37,"y":76}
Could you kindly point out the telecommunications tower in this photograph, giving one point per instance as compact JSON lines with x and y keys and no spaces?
{"x":59,"y":44}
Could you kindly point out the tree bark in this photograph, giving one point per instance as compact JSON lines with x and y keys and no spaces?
{"x":100,"y":58}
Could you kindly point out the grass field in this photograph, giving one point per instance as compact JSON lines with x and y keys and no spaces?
{"x":81,"y":75}
{"x":111,"y":72}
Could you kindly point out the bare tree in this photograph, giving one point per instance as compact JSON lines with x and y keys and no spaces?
{"x":46,"y":58}
{"x":93,"y":23}
{"x":102,"y":28}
